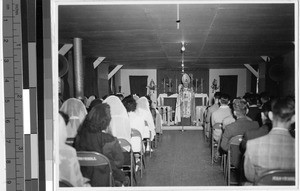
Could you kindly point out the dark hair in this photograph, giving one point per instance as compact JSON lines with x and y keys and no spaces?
{"x":120,"y":96}
{"x":265,"y":96}
{"x":94,"y":103}
{"x":217,"y":95}
{"x":266,"y":107}
{"x":253,"y":99}
{"x":240,"y":106}
{"x":104,"y":97}
{"x":224,"y":99}
{"x":64,"y":116}
{"x":98,"y":118}
{"x":283,"y":108}
{"x":129,"y":103}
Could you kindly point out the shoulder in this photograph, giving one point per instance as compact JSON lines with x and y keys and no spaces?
{"x":106,"y":137}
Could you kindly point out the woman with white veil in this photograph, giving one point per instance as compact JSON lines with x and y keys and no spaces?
{"x":76,"y":111}
{"x":69,"y":168}
{"x":143,"y":110}
{"x":119,"y":126}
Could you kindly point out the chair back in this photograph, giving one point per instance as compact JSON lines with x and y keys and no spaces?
{"x":126,"y":146}
{"x":90,"y":158}
{"x":236,"y":140}
{"x":93,"y":159}
{"x":234,"y":150}
{"x":277,"y":177}
{"x":135,"y":133}
{"x":64,"y":183}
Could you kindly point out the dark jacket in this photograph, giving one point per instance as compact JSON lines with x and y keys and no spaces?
{"x":87,"y":141}
{"x":254,"y":114}
{"x":239,"y":127}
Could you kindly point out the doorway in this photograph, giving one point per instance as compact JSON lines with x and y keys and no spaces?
{"x":228,"y":85}
{"x":138,"y":85}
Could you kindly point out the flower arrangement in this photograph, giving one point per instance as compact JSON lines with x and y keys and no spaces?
{"x":214,"y":86}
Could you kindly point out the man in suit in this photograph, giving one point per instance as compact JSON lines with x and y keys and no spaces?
{"x":240,"y":126}
{"x":275,"y":150}
{"x":210,"y":110}
{"x":254,"y":110}
{"x":263,"y":130}
{"x":220,"y":114}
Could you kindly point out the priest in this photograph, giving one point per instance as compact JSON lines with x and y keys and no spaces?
{"x":185,"y":103}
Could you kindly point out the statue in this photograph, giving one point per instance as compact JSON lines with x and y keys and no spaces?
{"x":185,"y":103}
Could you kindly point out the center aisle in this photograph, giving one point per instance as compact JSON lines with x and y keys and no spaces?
{"x":181,"y":159}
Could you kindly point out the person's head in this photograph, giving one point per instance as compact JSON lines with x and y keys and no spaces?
{"x":264,"y":97}
{"x":98,"y":118}
{"x":252,"y":99}
{"x":94,"y":103}
{"x":129,"y":103}
{"x":217,"y":97}
{"x":240,"y":107}
{"x":283,"y":112}
{"x":120,"y":96}
{"x":224,"y":99}
{"x":266,"y":108}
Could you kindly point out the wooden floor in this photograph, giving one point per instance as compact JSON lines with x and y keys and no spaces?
{"x":181,"y":159}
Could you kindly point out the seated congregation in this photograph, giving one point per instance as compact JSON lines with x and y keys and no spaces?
{"x":116,"y":129}
{"x":253,"y":137}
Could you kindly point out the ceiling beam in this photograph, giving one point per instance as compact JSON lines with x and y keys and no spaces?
{"x":266,"y":58}
{"x":114,"y":71}
{"x":252,"y":70}
{"x":66,"y":47}
{"x":98,"y":61}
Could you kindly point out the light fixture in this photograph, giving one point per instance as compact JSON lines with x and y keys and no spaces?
{"x":182,"y":47}
{"x":182,"y":56}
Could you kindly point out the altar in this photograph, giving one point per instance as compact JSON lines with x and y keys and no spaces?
{"x":167,"y":106}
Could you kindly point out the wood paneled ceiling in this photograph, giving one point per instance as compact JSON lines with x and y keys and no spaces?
{"x":146,"y":36}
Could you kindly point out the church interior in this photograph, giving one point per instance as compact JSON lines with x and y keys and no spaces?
{"x":140,"y":49}
{"x":179,"y":55}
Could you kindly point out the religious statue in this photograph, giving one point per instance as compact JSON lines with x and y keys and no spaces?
{"x":185,"y":103}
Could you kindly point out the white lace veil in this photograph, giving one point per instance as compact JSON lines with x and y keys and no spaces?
{"x":143,"y":110}
{"x":119,"y":126}
{"x":76,"y":111}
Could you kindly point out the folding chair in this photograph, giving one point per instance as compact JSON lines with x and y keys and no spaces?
{"x":278,"y":177}
{"x":205,"y":125}
{"x":64,"y":183}
{"x":128,"y":168}
{"x":90,"y":158}
{"x":140,"y":153}
{"x":233,"y":160}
